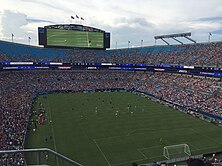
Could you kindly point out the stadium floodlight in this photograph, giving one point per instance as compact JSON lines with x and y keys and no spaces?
{"x":176,"y":151}
{"x":174,"y":36}
{"x":210,"y":34}
{"x":142,"y":43}
{"x":29,"y":40}
{"x":12,"y":37}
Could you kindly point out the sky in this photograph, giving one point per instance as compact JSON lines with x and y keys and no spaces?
{"x":126,"y":20}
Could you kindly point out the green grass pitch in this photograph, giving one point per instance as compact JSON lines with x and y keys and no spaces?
{"x":117,"y":128}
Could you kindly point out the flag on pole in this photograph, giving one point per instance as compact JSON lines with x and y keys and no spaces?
{"x":72,"y":17}
{"x":77,"y":16}
{"x":12,"y":36}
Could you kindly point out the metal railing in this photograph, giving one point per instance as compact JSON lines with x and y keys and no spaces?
{"x":42,"y":156}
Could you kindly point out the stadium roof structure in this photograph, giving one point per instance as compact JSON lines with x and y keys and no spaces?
{"x":78,"y":27}
{"x":174,"y":36}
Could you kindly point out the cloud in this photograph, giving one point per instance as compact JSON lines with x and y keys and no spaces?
{"x":219,"y":32}
{"x":126,"y":19}
{"x":39,"y":20}
{"x":49,"y":4}
{"x":126,"y":28}
{"x":12,"y":22}
{"x":22,"y":27}
{"x":133,"y":22}
{"x":210,"y":19}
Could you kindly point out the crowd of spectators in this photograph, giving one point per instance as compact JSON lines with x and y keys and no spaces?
{"x":17,"y":90}
{"x":199,"y":93}
{"x":208,"y":54}
{"x":210,"y":160}
{"x":201,"y":54}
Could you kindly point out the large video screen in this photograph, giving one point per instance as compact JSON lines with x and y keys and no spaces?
{"x":73,"y":38}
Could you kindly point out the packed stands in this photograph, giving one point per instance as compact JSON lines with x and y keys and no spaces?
{"x":205,"y":54}
{"x":18,"y":88}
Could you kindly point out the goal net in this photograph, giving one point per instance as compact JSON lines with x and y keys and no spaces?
{"x":176,"y":151}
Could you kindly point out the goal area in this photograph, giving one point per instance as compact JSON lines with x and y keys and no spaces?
{"x":176,"y":151}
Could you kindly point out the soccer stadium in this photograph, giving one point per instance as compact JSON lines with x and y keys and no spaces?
{"x":73,"y":101}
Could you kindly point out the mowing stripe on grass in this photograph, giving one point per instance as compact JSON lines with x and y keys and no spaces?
{"x":204,"y":136}
{"x":104,"y":139}
{"x":136,"y":160}
{"x":191,"y":145}
{"x":150,"y":147}
{"x":210,"y":147}
{"x":134,"y":133}
{"x":128,"y":162}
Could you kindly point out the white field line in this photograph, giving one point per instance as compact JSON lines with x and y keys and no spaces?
{"x":141,"y":149}
{"x":101,"y":152}
{"x":145,"y":157}
{"x":159,"y":156}
{"x":53,"y":133}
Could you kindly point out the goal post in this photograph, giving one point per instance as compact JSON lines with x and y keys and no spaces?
{"x":176,"y":151}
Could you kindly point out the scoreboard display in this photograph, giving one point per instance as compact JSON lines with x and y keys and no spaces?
{"x":74,"y":36}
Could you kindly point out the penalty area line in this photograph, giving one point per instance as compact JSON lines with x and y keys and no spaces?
{"x":145,"y":157}
{"x":101,"y":152}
